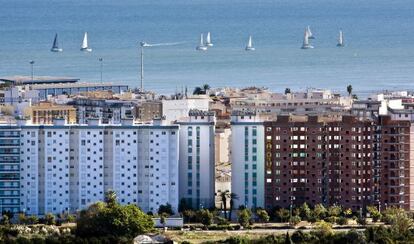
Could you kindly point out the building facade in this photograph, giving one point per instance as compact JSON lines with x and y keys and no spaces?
{"x":197,"y":155}
{"x":247,"y":159}
{"x":45,"y":113}
{"x":65,"y":168}
{"x":9,"y":169}
{"x":317,"y":159}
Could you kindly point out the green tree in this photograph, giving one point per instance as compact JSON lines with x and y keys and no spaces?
{"x":334,"y":210}
{"x":50,"y":219}
{"x":233,"y":196}
{"x":110,"y":218}
{"x":374,"y":213}
{"x":166,"y":209}
{"x":244,"y":217}
{"x":189,"y":215}
{"x":349,"y":89}
{"x":347,"y":212}
{"x":319,"y":211}
{"x":205,"y":217}
{"x":262,"y":215}
{"x":22,"y":219}
{"x":183,"y":205}
{"x":5,"y":220}
{"x":282,"y":215}
{"x":305,"y":211}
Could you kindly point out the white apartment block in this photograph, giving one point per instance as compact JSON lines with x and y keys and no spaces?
{"x":247,"y":159}
{"x":197,"y":159}
{"x":68,"y":167}
{"x":174,"y":110}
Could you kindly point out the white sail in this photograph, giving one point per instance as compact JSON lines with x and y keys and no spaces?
{"x":201,"y":46}
{"x":310,"y":35}
{"x":84,"y":46}
{"x":306,"y":38}
{"x":249,"y":46}
{"x":306,"y":44}
{"x":340,"y":39}
{"x":208,"y":40}
{"x":85,"y":41}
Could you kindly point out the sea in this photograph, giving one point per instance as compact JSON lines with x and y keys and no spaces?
{"x":379,"y":39}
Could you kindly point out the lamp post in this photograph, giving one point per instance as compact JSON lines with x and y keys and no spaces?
{"x":31,"y":68}
{"x":101,"y":66}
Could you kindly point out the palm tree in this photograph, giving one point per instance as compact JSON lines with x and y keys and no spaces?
{"x":110,"y":197}
{"x":287,"y":90}
{"x":197,"y":91}
{"x":233,"y":196}
{"x":223,"y":196}
{"x":206,"y":87}
{"x":349,"y":89}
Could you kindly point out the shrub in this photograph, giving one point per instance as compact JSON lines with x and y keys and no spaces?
{"x":49,"y":219}
{"x":331,"y":219}
{"x":294,"y":220}
{"x":319,"y":211}
{"x":262,"y":215}
{"x":305,"y":211}
{"x":244,"y":217}
{"x":342,"y":221}
{"x":205,"y":217}
{"x":374,"y":213}
{"x":334,"y":210}
{"x":362,"y":221}
{"x":221,"y":221}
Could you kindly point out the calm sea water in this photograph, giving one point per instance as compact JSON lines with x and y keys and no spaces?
{"x":379,"y":36}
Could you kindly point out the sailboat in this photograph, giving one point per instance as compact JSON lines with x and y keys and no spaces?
{"x":310,"y":35}
{"x":249,"y":46}
{"x":84,"y":46}
{"x":201,"y":46}
{"x":55,"y":47}
{"x":340,"y":39}
{"x":208,"y":40}
{"x":306,"y":44}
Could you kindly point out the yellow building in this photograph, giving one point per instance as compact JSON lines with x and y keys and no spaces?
{"x":45,"y":112}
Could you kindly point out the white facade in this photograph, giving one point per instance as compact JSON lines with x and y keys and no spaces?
{"x":197,"y":159}
{"x":247,"y":160}
{"x":68,"y":167}
{"x":175,"y":110}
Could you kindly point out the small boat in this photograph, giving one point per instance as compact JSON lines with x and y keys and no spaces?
{"x":55,"y":47}
{"x":208,"y":40}
{"x":341,"y":39}
{"x":249,"y":46}
{"x":201,"y":46}
{"x":310,"y":35}
{"x":84,"y":46}
{"x":306,"y":44}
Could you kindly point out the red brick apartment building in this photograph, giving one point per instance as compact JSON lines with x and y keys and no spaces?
{"x":319,"y":159}
{"x":396,"y":168}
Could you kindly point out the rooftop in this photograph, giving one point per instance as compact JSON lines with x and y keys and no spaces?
{"x":26,"y":80}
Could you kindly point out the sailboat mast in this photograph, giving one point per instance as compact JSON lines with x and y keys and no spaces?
{"x":142,"y":68}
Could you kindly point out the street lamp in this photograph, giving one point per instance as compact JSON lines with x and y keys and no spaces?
{"x":101,"y":66}
{"x":31,"y":68}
